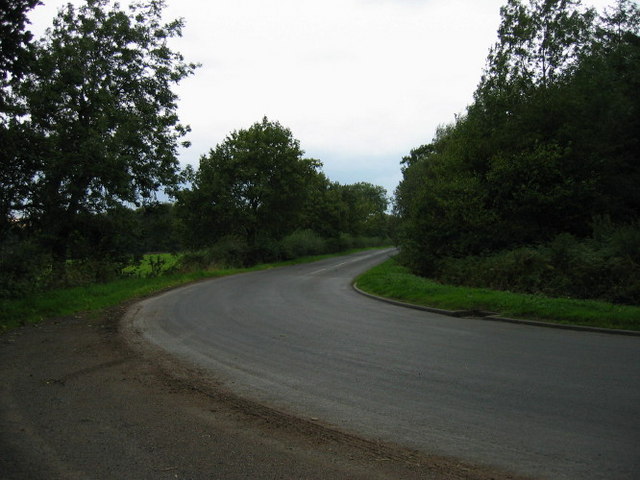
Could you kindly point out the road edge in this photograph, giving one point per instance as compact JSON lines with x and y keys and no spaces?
{"x":491,"y":316}
{"x":190,"y":376}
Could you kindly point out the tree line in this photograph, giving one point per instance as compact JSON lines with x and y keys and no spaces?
{"x":535,"y":187}
{"x":90,"y":134}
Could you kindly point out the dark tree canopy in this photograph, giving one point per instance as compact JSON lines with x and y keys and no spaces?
{"x":256,"y":182}
{"x":14,"y":39}
{"x":15,"y":62}
{"x":90,"y":134}
{"x":549,"y":143}
{"x":257,"y":185}
{"x":102,"y":116}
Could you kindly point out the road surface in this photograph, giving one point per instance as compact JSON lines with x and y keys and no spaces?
{"x":537,"y":401}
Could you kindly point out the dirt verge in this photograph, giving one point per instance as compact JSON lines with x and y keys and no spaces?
{"x":82,"y":399}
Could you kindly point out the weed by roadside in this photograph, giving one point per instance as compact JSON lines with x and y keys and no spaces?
{"x":153,"y":265}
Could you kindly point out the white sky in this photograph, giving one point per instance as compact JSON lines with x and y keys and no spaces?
{"x":359,"y":82}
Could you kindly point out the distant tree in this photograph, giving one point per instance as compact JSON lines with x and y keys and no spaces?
{"x":255,"y":183}
{"x":365,"y":207}
{"x":101,"y":107}
{"x":356,"y":209}
{"x":159,"y":230}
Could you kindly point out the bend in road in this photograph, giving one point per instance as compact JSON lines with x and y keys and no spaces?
{"x":537,"y":401}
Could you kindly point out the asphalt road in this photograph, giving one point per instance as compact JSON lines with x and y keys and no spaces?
{"x":536,"y":401}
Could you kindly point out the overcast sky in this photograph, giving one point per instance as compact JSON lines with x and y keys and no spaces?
{"x":359,"y":82}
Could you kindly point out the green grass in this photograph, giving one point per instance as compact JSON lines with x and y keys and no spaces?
{"x":97,"y":297}
{"x":394,"y":281}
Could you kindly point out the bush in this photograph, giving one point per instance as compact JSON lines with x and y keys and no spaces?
{"x":234,"y":251}
{"x":524,"y":270}
{"x":90,"y":270}
{"x":302,"y":243}
{"x":264,"y":250}
{"x":25,"y":268}
{"x":603,"y":267}
{"x":229,"y":252}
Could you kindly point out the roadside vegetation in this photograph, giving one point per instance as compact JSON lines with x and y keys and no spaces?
{"x":153,"y":265}
{"x":392,"y":280}
{"x":90,"y":135}
{"x":96,"y":297}
{"x":534,"y":189}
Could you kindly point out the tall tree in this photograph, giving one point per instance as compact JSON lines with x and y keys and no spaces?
{"x":255,"y":183}
{"x":537,"y":42}
{"x":606,"y":118}
{"x":365,"y":207}
{"x":618,"y":22}
{"x":15,"y":61}
{"x":550,"y":142}
{"x":100,"y":101}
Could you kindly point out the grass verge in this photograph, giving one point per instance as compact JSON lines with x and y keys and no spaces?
{"x":97,"y":297}
{"x":394,"y":281}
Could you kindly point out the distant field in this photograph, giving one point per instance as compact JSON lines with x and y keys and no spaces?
{"x":153,"y":263}
{"x":394,"y":281}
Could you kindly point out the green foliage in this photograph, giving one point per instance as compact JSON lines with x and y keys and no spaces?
{"x":347,"y":241}
{"x":302,"y":243}
{"x":21,"y":264}
{"x":356,"y":209}
{"x":254,"y":183}
{"x":86,"y":271}
{"x":605,"y":266}
{"x":549,"y":143}
{"x":257,"y":186}
{"x":152,"y":265}
{"x":234,"y":252}
{"x":100,"y":117}
{"x":231,"y":251}
{"x":15,"y":45}
{"x":15,"y":63}
{"x":108,"y":245}
{"x":364,"y":209}
{"x":538,"y":42}
{"x":159,"y":228}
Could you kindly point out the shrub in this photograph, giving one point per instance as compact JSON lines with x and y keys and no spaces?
{"x":25,"y":268}
{"x":229,"y":252}
{"x":302,"y":243}
{"x":90,"y":270}
{"x":264,"y":250}
{"x":604,"y":267}
{"x":524,"y":269}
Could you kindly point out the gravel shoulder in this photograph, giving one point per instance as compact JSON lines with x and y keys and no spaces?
{"x":80,"y":399}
